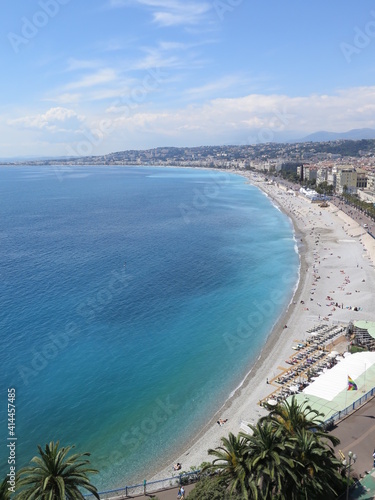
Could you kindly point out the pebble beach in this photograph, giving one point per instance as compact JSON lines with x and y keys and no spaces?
{"x":336,"y":286}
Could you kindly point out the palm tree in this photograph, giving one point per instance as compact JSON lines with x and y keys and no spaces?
{"x":317,"y":468}
{"x":4,"y":490}
{"x":269,"y":459}
{"x":55,"y":476}
{"x":292,"y":416}
{"x":231,"y":464}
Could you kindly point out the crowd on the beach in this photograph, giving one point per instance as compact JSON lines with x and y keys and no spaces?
{"x":313,"y":220}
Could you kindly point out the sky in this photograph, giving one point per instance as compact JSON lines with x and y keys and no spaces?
{"x":90,"y":77}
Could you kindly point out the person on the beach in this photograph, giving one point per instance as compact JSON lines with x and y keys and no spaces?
{"x":222,"y":421}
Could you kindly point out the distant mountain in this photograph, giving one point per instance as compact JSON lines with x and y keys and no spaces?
{"x":354,"y":135}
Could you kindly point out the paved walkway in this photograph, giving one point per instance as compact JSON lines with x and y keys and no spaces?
{"x":357,"y":434}
{"x":170,"y":494}
{"x":365,"y":490}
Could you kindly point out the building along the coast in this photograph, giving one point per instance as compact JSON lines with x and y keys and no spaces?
{"x":309,"y":173}
{"x":361,"y":179}
{"x":346,"y":178}
{"x":322,"y":175}
{"x":370,"y":182}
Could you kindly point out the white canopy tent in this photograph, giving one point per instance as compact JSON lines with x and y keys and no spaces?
{"x":328,"y":385}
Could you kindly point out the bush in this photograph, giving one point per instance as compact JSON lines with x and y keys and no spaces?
{"x":211,"y":488}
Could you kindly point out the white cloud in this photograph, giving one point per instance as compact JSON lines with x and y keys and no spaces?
{"x":218,"y":121}
{"x":346,"y":109}
{"x":170,"y":12}
{"x":55,"y":120}
{"x":77,"y":64}
{"x":168,"y":55}
{"x":102,"y":76}
{"x":66,"y":98}
{"x":154,"y":59}
{"x":218,"y":85}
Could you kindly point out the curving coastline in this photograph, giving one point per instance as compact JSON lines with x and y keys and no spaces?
{"x":323,"y":236}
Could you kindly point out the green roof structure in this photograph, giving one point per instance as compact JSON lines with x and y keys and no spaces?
{"x":329,"y":393}
{"x":366,"y":325}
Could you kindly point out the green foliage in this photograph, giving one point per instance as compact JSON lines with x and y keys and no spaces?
{"x":345,"y":147}
{"x":231,"y":462}
{"x":204,"y":465}
{"x":356,"y":348}
{"x":4,"y":490}
{"x":212,"y":488}
{"x":289,"y":455}
{"x":366,"y":207}
{"x":53,"y":475}
{"x":324,"y":188}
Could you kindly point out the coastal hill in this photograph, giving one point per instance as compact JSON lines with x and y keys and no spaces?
{"x":220,"y":156}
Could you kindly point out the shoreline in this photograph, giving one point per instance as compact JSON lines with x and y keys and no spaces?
{"x":242,"y":404}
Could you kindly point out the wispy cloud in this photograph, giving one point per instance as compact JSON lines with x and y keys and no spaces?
{"x":65,"y":98}
{"x":170,"y":12}
{"x":77,"y":64}
{"x":224,"y":83}
{"x":169,"y":55}
{"x":102,"y":76}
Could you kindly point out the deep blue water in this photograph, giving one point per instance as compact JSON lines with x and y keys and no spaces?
{"x":125,"y":300}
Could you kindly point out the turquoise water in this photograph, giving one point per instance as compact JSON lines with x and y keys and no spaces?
{"x":126,"y":296}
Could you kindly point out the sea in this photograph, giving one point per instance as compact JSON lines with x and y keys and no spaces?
{"x":133,"y":301}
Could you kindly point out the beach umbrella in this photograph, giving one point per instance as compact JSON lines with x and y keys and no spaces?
{"x":294,"y":388}
{"x":272,"y":402}
{"x":333,"y":354}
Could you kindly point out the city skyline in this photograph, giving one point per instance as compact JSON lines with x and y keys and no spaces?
{"x":138,"y":74}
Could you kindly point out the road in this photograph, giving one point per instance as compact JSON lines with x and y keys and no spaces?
{"x":357,"y":434}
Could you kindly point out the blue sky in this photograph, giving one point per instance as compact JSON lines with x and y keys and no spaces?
{"x":96,"y":76}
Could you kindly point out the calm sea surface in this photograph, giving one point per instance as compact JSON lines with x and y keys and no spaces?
{"x":126,"y":295}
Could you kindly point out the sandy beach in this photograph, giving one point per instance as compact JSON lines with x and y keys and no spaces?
{"x":337,"y":261}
